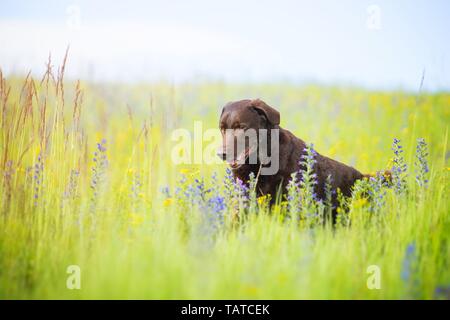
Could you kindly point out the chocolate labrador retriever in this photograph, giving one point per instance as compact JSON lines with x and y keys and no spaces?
{"x":240,"y":117}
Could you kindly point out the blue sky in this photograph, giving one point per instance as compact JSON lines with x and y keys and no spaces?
{"x":376,"y":44}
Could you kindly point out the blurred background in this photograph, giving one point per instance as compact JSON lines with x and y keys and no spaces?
{"x":372,"y":44}
{"x":88,"y":175}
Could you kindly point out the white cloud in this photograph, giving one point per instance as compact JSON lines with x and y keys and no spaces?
{"x":129,"y":50}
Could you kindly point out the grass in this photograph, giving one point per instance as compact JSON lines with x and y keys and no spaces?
{"x":60,"y":207}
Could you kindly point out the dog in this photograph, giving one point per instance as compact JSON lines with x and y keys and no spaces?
{"x":240,"y":116}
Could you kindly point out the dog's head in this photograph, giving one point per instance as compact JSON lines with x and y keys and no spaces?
{"x":240,"y":124}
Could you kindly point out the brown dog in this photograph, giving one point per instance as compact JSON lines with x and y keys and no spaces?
{"x":240,"y":116}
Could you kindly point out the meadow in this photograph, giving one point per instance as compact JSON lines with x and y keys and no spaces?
{"x":88,"y":181}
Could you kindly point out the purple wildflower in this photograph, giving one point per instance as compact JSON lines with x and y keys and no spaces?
{"x":421,"y":163}
{"x":293,"y":195}
{"x":377,"y":192}
{"x":253,"y":205}
{"x":308,"y":182}
{"x":98,"y":170}
{"x":7,"y":181}
{"x":399,"y":168}
{"x":236,"y":191}
{"x":38,"y":171}
{"x":166,"y":191}
{"x":72,"y":186}
{"x":329,"y":192}
{"x":136,"y":186}
{"x":409,"y":269}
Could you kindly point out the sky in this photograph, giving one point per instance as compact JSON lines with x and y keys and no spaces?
{"x":373,"y":44}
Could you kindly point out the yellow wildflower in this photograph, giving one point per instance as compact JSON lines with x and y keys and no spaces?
{"x":262,"y":199}
{"x":184,"y":171}
{"x":359,"y":203}
{"x":136,"y":219}
{"x":250,"y":290}
{"x":167,"y":202}
{"x":195,"y":173}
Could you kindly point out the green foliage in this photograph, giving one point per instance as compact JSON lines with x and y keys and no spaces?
{"x":209,"y":236}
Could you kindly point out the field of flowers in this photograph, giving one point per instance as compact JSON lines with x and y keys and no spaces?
{"x":88,"y":180}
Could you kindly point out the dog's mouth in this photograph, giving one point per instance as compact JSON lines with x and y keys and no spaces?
{"x":242,"y":158}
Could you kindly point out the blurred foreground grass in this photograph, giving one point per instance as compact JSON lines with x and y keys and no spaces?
{"x":83,"y":166}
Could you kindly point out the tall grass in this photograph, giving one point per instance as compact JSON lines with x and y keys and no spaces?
{"x":83,"y":167}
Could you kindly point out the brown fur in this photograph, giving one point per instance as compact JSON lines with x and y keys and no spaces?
{"x":257,"y":114}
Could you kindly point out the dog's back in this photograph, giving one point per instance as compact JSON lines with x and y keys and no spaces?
{"x":292,"y":149}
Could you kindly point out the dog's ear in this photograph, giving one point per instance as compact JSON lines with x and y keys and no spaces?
{"x":223,"y":109}
{"x":272,"y":115}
